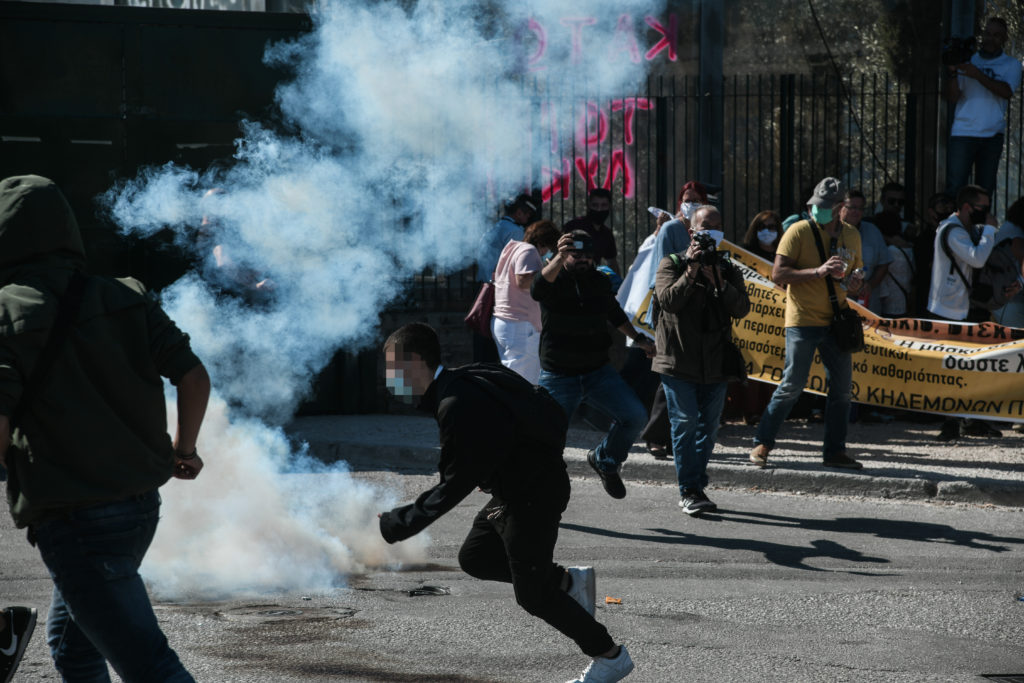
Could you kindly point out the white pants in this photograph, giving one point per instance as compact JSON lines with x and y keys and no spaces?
{"x":519,"y":347}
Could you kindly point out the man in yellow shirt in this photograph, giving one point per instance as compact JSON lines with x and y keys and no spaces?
{"x":800,"y":268}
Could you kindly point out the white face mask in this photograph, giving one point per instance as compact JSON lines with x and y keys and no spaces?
{"x":766,"y":236}
{"x":687,"y":209}
{"x":718,"y":236}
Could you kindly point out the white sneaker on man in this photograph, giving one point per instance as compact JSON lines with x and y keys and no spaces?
{"x":582,"y":587}
{"x":607,"y":670}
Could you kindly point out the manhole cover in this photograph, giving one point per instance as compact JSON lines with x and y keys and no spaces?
{"x":276,"y":613}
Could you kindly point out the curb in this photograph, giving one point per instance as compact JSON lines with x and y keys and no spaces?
{"x":795,"y":478}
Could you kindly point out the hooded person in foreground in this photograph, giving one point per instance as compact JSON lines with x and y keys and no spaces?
{"x":502,"y":434}
{"x":83,"y":433}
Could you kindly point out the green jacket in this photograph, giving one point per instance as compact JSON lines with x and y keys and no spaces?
{"x":96,"y":429}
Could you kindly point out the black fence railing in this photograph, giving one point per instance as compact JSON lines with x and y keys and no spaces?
{"x":782,"y":134}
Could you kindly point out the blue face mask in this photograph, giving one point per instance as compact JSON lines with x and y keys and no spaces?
{"x":766,"y":236}
{"x":821,"y":215}
{"x":398,"y":388}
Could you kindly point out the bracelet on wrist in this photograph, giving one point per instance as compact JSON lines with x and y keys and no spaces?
{"x":191,"y":456}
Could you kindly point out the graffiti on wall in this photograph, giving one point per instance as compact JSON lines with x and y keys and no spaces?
{"x":593,"y":151}
{"x":597,"y":160}
{"x":623,"y":39}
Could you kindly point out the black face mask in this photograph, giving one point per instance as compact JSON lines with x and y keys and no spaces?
{"x":978,"y":217}
{"x":597,"y":217}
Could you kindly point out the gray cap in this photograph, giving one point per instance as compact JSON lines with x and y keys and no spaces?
{"x":828,"y":193}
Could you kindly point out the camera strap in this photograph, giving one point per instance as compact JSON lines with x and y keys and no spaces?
{"x":832,"y":298}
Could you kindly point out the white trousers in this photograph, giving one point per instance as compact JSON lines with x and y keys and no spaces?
{"x":519,"y":347}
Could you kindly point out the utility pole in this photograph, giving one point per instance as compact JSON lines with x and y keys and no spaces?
{"x":711,"y":117}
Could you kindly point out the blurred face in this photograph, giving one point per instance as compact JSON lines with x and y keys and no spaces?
{"x":940,"y":210}
{"x":769,"y":231}
{"x":599,"y":203}
{"x":707,"y":220}
{"x":852,"y":210}
{"x":893,"y":201}
{"x":406,"y":375}
{"x":993,"y":38}
{"x":522,"y":216}
{"x":578,"y":261}
{"x":691,"y":195}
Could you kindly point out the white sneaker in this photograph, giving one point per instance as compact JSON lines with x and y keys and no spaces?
{"x":604,"y":670}
{"x":582,"y":588}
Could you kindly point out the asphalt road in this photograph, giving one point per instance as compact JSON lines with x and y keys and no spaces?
{"x":775,"y":587}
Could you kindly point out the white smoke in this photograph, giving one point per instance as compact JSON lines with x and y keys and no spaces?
{"x":244,"y":526}
{"x":402,"y":128}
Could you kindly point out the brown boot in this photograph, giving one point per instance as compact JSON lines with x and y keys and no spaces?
{"x":759,"y":456}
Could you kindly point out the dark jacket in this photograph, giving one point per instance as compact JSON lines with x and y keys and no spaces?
{"x":498,"y":432}
{"x":96,"y":429}
{"x":695,"y":322}
{"x":575,"y":311}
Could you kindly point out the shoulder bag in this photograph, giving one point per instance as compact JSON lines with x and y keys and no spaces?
{"x":846,"y":326}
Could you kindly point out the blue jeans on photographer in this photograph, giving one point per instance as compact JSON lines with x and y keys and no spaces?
{"x":606,"y":391}
{"x":100,"y":611}
{"x":801,"y":344}
{"x":694,"y":411}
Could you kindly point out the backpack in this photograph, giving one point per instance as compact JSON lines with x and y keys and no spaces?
{"x":987,"y":287}
{"x":540,"y":418}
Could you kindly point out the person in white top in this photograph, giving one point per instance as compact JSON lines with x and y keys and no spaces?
{"x":981,"y":89}
{"x":970,"y":234}
{"x":515,"y":323}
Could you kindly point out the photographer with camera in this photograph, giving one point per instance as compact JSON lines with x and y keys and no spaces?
{"x":981,"y":85}
{"x":699,"y":292}
{"x":576,"y":305}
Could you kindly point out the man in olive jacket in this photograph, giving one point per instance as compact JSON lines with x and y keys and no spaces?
{"x":699,"y":293}
{"x":83,"y":433}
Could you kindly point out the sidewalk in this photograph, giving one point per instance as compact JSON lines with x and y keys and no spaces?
{"x":901,"y":460}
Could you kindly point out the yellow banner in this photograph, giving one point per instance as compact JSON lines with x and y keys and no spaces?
{"x":963,"y":369}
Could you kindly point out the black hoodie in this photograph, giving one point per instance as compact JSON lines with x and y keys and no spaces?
{"x":498,"y":432}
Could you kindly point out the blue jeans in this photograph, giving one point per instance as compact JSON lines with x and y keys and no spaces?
{"x":695,"y":411}
{"x":801,"y":343}
{"x":100,"y":610}
{"x":606,"y":391}
{"x":981,"y":153}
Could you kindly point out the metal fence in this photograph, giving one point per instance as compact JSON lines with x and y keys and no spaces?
{"x":782,"y":134}
{"x":113,"y":102}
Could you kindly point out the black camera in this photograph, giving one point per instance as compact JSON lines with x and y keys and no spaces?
{"x":957,"y":50}
{"x":708,"y":255}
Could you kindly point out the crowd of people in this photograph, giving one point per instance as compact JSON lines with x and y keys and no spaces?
{"x":91,"y":505}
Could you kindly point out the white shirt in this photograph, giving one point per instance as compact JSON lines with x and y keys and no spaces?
{"x":949,"y":296}
{"x":980,"y":113}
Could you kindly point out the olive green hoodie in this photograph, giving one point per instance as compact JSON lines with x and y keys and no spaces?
{"x":96,"y":429}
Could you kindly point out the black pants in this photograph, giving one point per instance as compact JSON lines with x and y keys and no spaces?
{"x":517,"y":546}
{"x":659,"y":429}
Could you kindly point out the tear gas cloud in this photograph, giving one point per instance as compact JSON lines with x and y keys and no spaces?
{"x":401,"y":129}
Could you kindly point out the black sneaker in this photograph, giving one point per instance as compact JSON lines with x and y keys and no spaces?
{"x":696,"y":503}
{"x":950,"y":431}
{"x":841,"y":460}
{"x":21,"y":621}
{"x":980,"y":428}
{"x":610,"y":478}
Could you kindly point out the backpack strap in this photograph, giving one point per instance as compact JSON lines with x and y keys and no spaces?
{"x":67,"y":311}
{"x":944,"y":239}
